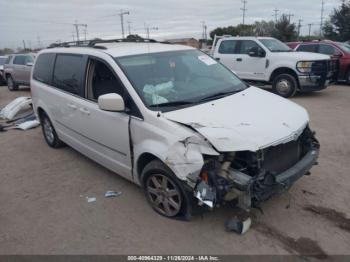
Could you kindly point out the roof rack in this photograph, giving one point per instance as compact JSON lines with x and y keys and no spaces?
{"x":93,"y":43}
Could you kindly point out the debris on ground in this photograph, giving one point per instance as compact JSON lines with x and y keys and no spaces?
{"x":238,"y":225}
{"x":27,"y":125}
{"x":91,"y":199}
{"x":18,"y":105}
{"x":112,"y":194}
{"x":18,"y":114}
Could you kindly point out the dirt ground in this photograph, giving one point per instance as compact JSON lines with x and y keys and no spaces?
{"x":44,"y":209}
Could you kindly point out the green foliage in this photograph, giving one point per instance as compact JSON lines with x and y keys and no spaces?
{"x":338,"y":26}
{"x":282,"y":30}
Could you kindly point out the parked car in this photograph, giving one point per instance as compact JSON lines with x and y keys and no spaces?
{"x":174,"y":121}
{"x":338,"y":51}
{"x":17,"y":70}
{"x":267,"y":61}
{"x":2,"y":76}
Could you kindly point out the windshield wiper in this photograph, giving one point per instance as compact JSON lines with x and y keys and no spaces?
{"x":174,"y":103}
{"x":219,"y":95}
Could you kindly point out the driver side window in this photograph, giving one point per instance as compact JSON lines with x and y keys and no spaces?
{"x":101,"y":80}
{"x":247,"y":45}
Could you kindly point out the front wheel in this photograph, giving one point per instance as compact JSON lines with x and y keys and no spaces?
{"x":285,"y":85}
{"x":164,"y":191}
{"x":11,"y":85}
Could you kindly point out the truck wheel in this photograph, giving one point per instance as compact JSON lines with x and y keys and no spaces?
{"x":11,"y":85}
{"x":348,"y":77}
{"x":49,"y":132}
{"x":163,"y":190}
{"x":285,"y":85}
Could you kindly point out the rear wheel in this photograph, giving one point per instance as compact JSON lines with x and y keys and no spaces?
{"x":12,"y":86}
{"x":285,"y":85}
{"x":164,"y":191}
{"x":49,"y":132}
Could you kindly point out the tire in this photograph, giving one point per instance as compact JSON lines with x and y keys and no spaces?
{"x":11,"y":84}
{"x":348,"y":77}
{"x":285,"y":85}
{"x":49,"y":132}
{"x":164,"y":192}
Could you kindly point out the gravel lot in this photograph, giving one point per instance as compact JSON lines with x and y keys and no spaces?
{"x":44,"y":209}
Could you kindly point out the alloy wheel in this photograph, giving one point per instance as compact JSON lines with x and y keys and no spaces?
{"x":163,"y":195}
{"x":48,"y":131}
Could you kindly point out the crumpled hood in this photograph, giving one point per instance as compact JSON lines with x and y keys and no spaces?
{"x":247,"y":121}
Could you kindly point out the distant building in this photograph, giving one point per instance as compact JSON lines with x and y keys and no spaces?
{"x":185,"y":41}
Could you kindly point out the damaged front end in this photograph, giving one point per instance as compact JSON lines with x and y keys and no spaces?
{"x":253,"y":177}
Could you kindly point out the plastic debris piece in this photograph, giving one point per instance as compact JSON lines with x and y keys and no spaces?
{"x":91,"y":199}
{"x":27,"y":125}
{"x":112,"y":194}
{"x":14,"y":107}
{"x":239,"y":226}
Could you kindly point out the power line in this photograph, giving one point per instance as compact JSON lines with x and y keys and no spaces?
{"x":244,"y":9}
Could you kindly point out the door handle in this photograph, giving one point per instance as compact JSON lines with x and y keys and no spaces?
{"x":74,"y":107}
{"x":84,"y":111}
{"x":239,"y":59}
{"x":217,"y":59}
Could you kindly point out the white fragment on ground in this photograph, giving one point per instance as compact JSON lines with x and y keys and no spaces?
{"x":91,"y":199}
{"x":112,"y":194}
{"x":28,"y":125}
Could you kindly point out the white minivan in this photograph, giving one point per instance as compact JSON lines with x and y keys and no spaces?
{"x":174,"y":121}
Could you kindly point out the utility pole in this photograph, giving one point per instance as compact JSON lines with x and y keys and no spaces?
{"x":24,"y":45}
{"x":121,"y":14}
{"x":276,"y":14}
{"x":244,"y":9}
{"x":322,"y":12}
{"x":129,"y":27}
{"x":310,"y":29}
{"x":76,"y":25}
{"x":148,"y":28}
{"x":299,"y":26}
{"x":289,"y":16}
{"x":39,"y":42}
{"x":204,"y":30}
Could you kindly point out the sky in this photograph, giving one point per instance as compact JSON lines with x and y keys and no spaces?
{"x":40,"y":22}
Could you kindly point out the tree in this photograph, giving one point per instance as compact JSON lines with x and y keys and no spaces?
{"x":6,"y":51}
{"x":134,"y":37}
{"x":338,"y":26}
{"x":284,"y":30}
{"x":264,"y":28}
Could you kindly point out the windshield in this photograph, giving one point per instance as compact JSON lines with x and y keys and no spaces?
{"x":170,"y":80}
{"x":275,"y":45}
{"x":2,"y":60}
{"x":345,"y":47}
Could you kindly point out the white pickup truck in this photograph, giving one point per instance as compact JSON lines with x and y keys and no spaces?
{"x":266,"y":60}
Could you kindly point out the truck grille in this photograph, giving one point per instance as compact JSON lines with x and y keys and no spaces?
{"x":280,"y":158}
{"x":324,"y":67}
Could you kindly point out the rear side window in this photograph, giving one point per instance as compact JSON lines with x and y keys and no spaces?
{"x":68,"y":73}
{"x":19,"y":60}
{"x":228,"y":47}
{"x":308,"y":48}
{"x":43,"y":68}
{"x":327,"y":49}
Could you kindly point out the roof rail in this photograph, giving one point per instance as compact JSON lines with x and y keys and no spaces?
{"x":93,"y":43}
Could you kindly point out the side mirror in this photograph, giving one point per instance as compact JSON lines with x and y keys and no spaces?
{"x":29,"y":64}
{"x":256,"y":52}
{"x":111,"y":102}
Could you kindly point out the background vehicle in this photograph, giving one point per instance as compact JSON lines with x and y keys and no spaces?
{"x":2,"y":76}
{"x":17,"y":70}
{"x":164,"y":116}
{"x":338,"y":51}
{"x":265,"y":60}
